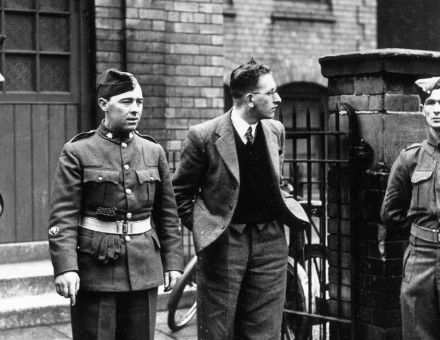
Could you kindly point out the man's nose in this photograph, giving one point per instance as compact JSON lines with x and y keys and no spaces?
{"x":277,"y":98}
{"x":437,"y":108}
{"x":135,"y":107}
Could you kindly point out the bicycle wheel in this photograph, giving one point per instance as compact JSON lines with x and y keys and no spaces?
{"x":182,"y":305}
{"x":295,"y":326}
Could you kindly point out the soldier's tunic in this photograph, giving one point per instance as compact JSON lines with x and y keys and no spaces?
{"x":113,"y":178}
{"x":412,"y":200}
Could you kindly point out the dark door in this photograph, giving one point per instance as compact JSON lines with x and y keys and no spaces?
{"x":43,"y":103}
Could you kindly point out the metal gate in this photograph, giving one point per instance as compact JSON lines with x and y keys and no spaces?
{"x":325,"y":157}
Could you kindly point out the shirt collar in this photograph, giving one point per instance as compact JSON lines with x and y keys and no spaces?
{"x":241,"y":126}
{"x":114,"y":136}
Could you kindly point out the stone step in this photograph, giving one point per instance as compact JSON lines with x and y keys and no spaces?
{"x":24,"y":252}
{"x":26,"y":278}
{"x":26,"y":311}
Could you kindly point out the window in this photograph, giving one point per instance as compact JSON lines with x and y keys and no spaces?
{"x":37,"y":56}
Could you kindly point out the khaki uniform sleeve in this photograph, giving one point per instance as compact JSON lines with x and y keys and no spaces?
{"x":166,"y":220}
{"x":397,"y":197}
{"x":65,"y":213}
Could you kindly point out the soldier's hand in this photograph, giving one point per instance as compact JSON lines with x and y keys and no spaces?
{"x":170,"y":278}
{"x":67,"y":285}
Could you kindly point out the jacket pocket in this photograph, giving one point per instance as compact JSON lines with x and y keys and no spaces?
{"x":100,"y":187}
{"x":148,"y":180}
{"x":423,"y":187}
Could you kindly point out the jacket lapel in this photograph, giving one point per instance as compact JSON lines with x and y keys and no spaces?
{"x":226,"y":145}
{"x":272,"y":147}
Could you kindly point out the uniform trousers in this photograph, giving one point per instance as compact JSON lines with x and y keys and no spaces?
{"x":419,"y":296}
{"x":114,"y":315}
{"x":241,"y":280}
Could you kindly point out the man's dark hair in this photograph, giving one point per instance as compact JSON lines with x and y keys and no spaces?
{"x":244,"y":78}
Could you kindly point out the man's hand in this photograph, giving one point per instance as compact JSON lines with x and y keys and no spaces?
{"x":67,"y":285}
{"x":170,"y":278}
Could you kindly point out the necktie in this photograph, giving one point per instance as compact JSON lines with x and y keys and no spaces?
{"x":249,"y":137}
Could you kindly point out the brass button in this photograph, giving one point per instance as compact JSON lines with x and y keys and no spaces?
{"x":128,"y":191}
{"x":124,"y":145}
{"x":100,"y":178}
{"x":126,"y":166}
{"x":127,"y":238}
{"x":129,"y":215}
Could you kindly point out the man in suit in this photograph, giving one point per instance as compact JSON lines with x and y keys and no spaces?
{"x":114,"y":234}
{"x":227,"y":191}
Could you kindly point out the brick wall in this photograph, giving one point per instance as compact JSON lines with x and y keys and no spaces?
{"x":290,"y":35}
{"x":175,"y":50}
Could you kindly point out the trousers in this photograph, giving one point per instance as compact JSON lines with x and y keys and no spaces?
{"x":419,"y":295}
{"x":114,"y":315}
{"x":241,"y":280}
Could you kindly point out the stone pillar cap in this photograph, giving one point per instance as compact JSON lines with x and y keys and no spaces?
{"x":389,"y":60}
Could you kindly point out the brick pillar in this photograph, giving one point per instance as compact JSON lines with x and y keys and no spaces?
{"x":378,"y":84}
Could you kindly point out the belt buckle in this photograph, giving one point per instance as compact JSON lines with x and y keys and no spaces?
{"x":130,"y":226}
{"x":119,"y":227}
{"x":437,"y":236}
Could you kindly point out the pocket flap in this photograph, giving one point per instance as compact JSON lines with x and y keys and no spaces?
{"x":421,"y":175}
{"x":148,"y":175}
{"x":98,"y":175}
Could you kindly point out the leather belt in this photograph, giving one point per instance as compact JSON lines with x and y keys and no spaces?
{"x":117,"y":227}
{"x":425,"y":234}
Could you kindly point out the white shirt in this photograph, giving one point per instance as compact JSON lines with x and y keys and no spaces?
{"x":241,"y":126}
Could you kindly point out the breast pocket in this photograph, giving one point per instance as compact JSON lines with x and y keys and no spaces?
{"x":423,"y":188}
{"x":100,"y":187}
{"x":148,"y":179}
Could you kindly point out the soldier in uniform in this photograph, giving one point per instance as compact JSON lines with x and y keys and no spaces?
{"x":412,"y":201}
{"x":114,"y":235}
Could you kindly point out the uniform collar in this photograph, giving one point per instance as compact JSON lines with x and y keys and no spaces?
{"x":433,"y":140}
{"x":241,"y":126}
{"x":114,"y":136}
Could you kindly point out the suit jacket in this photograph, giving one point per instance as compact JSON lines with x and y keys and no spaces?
{"x":207,"y":180}
{"x":128,"y":178}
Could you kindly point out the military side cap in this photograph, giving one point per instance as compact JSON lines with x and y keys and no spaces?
{"x":112,"y":82}
{"x":425,"y":87}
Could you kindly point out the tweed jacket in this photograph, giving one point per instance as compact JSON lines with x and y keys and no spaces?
{"x":129,"y":178}
{"x":207,"y":180}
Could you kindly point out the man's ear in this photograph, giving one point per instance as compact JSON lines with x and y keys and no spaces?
{"x":102,"y":102}
{"x":250,"y":99}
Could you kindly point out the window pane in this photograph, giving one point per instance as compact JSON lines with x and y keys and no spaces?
{"x":54,"y":74}
{"x":27,"y":4}
{"x":20,"y":30}
{"x":19,"y":73}
{"x":54,"y":33}
{"x":57,"y":5}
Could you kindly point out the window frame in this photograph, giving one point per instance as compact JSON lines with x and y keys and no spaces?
{"x":72,"y":54}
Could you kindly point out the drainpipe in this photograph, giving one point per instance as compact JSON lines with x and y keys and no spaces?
{"x":124,"y":36}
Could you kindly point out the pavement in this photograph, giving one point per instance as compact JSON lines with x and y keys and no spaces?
{"x":64,"y":332}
